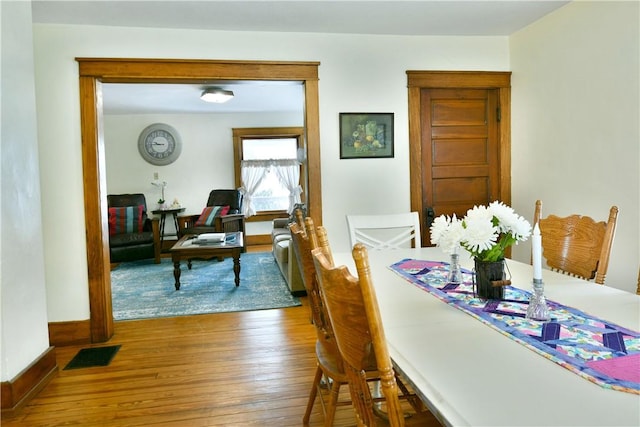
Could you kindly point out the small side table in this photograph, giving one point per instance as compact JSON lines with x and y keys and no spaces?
{"x":163,"y":216}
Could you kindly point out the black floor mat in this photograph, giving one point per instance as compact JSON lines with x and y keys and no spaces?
{"x":95,"y":356}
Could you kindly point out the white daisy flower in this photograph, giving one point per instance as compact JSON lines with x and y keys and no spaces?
{"x":485,"y":231}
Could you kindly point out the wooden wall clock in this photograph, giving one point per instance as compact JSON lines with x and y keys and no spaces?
{"x":159,"y":144}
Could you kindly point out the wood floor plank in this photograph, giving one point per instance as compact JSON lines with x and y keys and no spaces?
{"x":223,"y":369}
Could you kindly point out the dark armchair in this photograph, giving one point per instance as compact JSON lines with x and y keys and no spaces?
{"x":215,"y":218}
{"x":132,"y":234}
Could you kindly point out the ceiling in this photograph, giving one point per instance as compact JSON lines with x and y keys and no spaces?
{"x":413,"y":17}
{"x":409,"y":18}
{"x":249,"y":97}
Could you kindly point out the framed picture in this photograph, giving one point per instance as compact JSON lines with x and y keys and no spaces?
{"x":366,"y":135}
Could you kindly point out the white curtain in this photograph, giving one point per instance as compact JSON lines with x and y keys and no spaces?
{"x":252,"y":174}
{"x":288,"y":172}
{"x":254,"y":171}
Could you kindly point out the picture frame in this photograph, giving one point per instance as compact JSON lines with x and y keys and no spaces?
{"x":366,"y":135}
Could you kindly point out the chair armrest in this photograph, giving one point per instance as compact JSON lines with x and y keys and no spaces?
{"x":186,"y":221}
{"x":234,"y":222}
{"x":232,"y":217}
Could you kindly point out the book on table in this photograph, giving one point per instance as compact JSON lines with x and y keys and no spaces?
{"x":209,"y":238}
{"x":214,"y":238}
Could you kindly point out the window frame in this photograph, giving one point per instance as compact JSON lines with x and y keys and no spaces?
{"x":240,"y":134}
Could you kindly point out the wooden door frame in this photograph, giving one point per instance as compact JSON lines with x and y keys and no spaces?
{"x":95,"y":71}
{"x":418,"y":80}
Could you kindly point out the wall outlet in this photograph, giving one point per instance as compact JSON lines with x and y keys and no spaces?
{"x":155,"y":175}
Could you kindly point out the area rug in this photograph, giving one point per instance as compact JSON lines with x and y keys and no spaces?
{"x":92,"y":357}
{"x":142,"y":289}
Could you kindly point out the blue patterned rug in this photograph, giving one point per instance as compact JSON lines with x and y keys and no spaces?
{"x":142,"y":289}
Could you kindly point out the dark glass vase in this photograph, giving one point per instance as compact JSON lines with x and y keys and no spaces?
{"x":486,"y":273}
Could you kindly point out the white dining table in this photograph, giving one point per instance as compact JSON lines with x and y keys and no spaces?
{"x":468,"y":373}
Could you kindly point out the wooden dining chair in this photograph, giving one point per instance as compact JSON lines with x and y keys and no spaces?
{"x":390,"y":231}
{"x":329,"y":363}
{"x":353,"y":311}
{"x":330,"y":367}
{"x":577,"y":245}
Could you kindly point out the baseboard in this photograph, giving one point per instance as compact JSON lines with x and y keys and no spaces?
{"x":70,"y":333}
{"x":258,"y":239}
{"x":19,"y":391}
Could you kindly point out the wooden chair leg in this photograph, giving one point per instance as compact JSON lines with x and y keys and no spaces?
{"x":330,"y":413}
{"x":312,"y":396}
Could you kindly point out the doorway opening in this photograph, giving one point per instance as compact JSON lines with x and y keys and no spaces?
{"x":94,"y":72}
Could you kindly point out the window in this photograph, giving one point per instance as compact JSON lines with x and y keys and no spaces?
{"x":271,"y":194}
{"x":268,"y":170}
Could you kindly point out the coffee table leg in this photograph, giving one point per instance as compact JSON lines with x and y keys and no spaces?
{"x":176,"y":274}
{"x":236,"y":268}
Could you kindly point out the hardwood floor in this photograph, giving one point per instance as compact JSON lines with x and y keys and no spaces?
{"x":225,"y":369}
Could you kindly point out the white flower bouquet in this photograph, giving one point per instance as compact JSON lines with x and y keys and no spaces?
{"x":485,"y":231}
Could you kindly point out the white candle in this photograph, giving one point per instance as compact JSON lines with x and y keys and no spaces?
{"x":536,"y":245}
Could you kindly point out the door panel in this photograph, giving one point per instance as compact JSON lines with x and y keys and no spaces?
{"x":459,"y":112}
{"x":445,"y":191}
{"x":455,"y":171}
{"x":459,"y":149}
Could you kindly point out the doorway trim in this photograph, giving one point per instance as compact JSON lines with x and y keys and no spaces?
{"x":95,"y":71}
{"x":418,"y":80}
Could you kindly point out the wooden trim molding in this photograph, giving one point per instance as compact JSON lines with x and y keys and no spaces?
{"x":70,"y":333}
{"x":459,"y":79}
{"x":17,"y":392}
{"x":152,"y":70}
{"x":95,"y":71}
{"x":239,"y":134}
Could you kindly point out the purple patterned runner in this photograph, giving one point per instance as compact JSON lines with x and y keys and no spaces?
{"x":600,"y":351}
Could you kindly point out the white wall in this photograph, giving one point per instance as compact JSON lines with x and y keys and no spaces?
{"x":206,"y":161}
{"x":23,"y":310}
{"x":357,"y":73}
{"x":576,"y":128}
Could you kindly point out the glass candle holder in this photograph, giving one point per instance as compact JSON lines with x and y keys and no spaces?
{"x":538,"y":309}
{"x":455,"y":273}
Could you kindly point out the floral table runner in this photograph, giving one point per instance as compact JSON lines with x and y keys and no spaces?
{"x":600,"y":351}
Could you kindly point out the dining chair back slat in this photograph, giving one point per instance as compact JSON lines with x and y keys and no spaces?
{"x":577,"y":245}
{"x":389,"y":231}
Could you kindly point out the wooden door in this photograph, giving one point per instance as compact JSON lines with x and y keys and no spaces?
{"x":459,"y":149}
{"x":458,"y":155}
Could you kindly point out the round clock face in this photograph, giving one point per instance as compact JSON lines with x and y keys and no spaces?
{"x":159,"y":144}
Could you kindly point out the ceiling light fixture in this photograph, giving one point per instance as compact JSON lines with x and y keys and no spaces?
{"x":215,"y":94}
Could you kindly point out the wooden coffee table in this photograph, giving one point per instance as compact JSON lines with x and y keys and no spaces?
{"x":186,"y":248}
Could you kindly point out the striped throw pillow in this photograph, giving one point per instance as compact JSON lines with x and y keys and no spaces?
{"x":209,"y":214}
{"x":126,"y":219}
